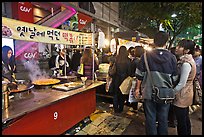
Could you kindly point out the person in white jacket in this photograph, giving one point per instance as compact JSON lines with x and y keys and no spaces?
{"x":61,"y":63}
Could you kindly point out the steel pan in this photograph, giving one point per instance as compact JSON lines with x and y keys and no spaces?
{"x":67,"y":78}
{"x":23,"y":89}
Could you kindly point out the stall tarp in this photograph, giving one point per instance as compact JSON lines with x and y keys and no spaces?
{"x":20,"y":30}
{"x":146,"y":40}
{"x":128,"y":35}
{"x":122,"y":42}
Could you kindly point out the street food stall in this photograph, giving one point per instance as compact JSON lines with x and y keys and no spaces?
{"x":46,"y":106}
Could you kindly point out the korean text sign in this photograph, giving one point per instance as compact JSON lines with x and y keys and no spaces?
{"x":32,"y":32}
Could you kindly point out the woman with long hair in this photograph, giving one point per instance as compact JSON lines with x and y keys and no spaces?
{"x":87,"y":60}
{"x":8,"y":64}
{"x":123,"y":70}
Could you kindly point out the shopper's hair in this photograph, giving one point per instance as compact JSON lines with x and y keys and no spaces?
{"x":131,"y":51}
{"x":122,"y":55}
{"x":187,"y":44}
{"x":87,"y":56}
{"x":5,"y":50}
{"x":160,"y":38}
{"x":139,"y":50}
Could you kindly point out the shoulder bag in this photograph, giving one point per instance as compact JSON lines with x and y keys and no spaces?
{"x":159,"y":94}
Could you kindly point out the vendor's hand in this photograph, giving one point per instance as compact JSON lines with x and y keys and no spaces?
{"x":14,"y":82}
{"x":12,"y":85}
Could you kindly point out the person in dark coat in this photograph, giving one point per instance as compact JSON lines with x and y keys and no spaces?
{"x":123,"y":70}
{"x":138,"y":52}
{"x":75,"y":61}
{"x":163,"y":68}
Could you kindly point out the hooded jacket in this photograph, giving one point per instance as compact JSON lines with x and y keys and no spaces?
{"x":163,"y":69}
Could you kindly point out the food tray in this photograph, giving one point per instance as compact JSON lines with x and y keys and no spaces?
{"x":68,"y":86}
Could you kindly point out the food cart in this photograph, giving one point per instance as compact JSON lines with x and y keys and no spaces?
{"x":53,"y":108}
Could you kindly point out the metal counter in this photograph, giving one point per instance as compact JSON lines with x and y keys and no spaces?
{"x":40,"y":101}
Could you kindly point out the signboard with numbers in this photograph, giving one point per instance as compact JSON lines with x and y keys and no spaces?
{"x":20,"y":30}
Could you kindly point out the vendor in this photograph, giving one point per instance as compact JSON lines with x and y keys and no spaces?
{"x":8,"y":65}
{"x":87,"y":60}
{"x":60,"y":62}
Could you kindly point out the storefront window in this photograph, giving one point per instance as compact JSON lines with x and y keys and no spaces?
{"x":88,"y":6}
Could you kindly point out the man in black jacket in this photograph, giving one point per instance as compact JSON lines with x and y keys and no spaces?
{"x":163,"y":68}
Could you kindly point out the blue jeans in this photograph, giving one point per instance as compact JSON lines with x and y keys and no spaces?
{"x":156,"y":112}
{"x":183,"y":120}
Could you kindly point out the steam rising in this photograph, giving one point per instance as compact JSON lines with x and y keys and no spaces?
{"x":35,"y":72}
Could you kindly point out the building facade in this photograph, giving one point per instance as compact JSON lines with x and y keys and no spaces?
{"x":101,"y":16}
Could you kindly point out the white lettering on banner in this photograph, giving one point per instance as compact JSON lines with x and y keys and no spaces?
{"x":55,"y":115}
{"x":30,"y":55}
{"x":25,"y":9}
{"x":82,"y":21}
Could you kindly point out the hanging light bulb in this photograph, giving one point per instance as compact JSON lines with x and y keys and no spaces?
{"x":173,"y":15}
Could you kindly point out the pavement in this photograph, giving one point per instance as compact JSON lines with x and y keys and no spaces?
{"x":105,"y":122}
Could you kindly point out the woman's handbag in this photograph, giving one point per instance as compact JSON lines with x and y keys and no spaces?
{"x":197,"y":92}
{"x":126,"y":85}
{"x":112,"y":70}
{"x":131,"y":97}
{"x":159,"y":94}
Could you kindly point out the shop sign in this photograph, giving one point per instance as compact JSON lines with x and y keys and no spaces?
{"x":31,"y":53}
{"x":32,"y":32}
{"x":25,"y":12}
{"x":83,"y":20}
{"x":122,"y":41}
